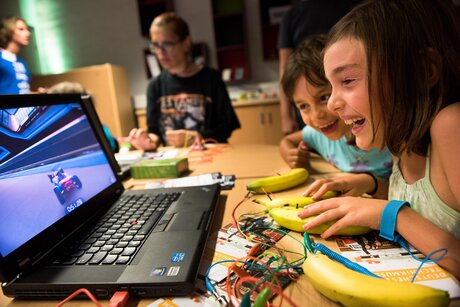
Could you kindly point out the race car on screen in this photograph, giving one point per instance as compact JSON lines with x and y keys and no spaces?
{"x":63,"y":183}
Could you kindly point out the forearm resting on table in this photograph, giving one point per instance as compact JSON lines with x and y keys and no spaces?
{"x":427,"y":237}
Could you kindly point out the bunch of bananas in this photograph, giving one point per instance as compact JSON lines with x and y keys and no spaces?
{"x":284,"y":211}
{"x":351,"y":288}
{"x":280,"y":182}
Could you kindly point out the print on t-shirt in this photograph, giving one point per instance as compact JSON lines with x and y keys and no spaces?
{"x":183,"y":111}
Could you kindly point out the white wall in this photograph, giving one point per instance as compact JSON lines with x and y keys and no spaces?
{"x":108,"y":31}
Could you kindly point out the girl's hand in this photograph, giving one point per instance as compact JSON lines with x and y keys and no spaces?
{"x":299,"y":156}
{"x":181,"y":137}
{"x":347,"y":185}
{"x":346,"y":211}
{"x":141,"y":139}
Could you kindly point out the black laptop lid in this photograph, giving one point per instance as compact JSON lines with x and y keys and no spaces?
{"x":56,"y":172}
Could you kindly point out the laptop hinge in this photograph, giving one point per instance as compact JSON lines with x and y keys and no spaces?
{"x":25,"y":263}
{"x":7,"y":283}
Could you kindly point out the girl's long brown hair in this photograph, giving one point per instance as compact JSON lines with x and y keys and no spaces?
{"x":401,"y":37}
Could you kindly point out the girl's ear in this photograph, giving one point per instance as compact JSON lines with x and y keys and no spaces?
{"x":435,"y":65}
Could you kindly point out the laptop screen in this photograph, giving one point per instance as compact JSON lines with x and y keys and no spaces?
{"x":49,"y":158}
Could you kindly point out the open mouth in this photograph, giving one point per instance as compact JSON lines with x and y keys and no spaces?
{"x":356,"y":122}
{"x":328,"y":128}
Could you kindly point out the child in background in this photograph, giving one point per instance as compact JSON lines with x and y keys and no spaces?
{"x":14,"y":74}
{"x":187,"y":101}
{"x":394,"y":69}
{"x":305,"y":84}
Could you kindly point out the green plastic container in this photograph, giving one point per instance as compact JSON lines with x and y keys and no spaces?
{"x":159,"y":168}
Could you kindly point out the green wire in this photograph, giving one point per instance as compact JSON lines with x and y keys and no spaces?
{"x":298,"y":261}
{"x":307,"y":242}
{"x":277,"y":259}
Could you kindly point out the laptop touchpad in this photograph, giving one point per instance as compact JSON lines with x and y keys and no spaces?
{"x":185,"y":221}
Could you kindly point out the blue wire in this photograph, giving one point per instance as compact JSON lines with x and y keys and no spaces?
{"x":208,"y":283}
{"x":358,"y":268}
{"x":427,"y":259}
{"x":345,"y":261}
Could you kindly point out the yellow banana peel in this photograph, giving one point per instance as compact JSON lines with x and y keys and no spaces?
{"x":292,"y":201}
{"x":350,"y":288}
{"x":288,"y":218}
{"x":292,"y":178}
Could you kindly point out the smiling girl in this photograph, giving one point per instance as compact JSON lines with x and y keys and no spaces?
{"x":325,"y":133}
{"x":394,"y":69}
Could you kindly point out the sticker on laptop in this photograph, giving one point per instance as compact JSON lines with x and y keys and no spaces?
{"x":158,"y":271}
{"x":173,"y":271}
{"x":177,"y":257}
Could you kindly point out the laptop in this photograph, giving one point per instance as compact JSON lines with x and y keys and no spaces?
{"x":67,"y":222}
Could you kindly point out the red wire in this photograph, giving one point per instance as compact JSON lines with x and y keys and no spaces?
{"x":238,"y":282}
{"x":79,"y":291}
{"x":278,"y":289}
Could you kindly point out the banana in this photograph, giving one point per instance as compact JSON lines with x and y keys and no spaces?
{"x":292,"y":201}
{"x":288,"y":218}
{"x":277,"y":183}
{"x":350,"y":288}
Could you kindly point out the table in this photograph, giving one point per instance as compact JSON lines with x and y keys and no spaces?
{"x":243,"y":161}
{"x":246,"y":162}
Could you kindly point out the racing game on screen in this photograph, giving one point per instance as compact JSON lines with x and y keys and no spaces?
{"x":49,"y":156}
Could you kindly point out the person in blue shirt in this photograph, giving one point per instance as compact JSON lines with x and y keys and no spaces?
{"x":14,"y":74}
{"x":326,"y":134}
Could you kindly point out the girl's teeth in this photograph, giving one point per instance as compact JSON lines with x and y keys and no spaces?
{"x":326,"y":126}
{"x":352,"y":121}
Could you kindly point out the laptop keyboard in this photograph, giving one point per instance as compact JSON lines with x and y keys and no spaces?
{"x":118,"y":235}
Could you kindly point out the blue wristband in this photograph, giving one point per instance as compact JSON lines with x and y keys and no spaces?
{"x":388,"y":219}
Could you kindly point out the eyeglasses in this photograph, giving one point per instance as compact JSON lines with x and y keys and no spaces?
{"x":165,"y":46}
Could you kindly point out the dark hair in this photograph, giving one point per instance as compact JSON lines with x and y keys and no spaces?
{"x":399,"y":37}
{"x":7,"y":27}
{"x":176,"y":24}
{"x":306,"y":61}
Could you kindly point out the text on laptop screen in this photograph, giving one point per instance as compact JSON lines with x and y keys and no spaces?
{"x":49,"y":156}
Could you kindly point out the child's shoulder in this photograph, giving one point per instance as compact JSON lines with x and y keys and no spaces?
{"x":444,"y":127}
{"x":447,"y":118}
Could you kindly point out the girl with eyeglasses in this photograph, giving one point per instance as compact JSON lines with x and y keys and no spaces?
{"x":187,"y":100}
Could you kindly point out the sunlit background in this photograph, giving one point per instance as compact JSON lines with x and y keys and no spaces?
{"x":47,"y":33}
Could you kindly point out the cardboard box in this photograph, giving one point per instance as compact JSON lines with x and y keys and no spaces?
{"x":159,"y":168}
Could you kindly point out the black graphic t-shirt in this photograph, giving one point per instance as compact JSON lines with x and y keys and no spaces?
{"x":200,"y":102}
